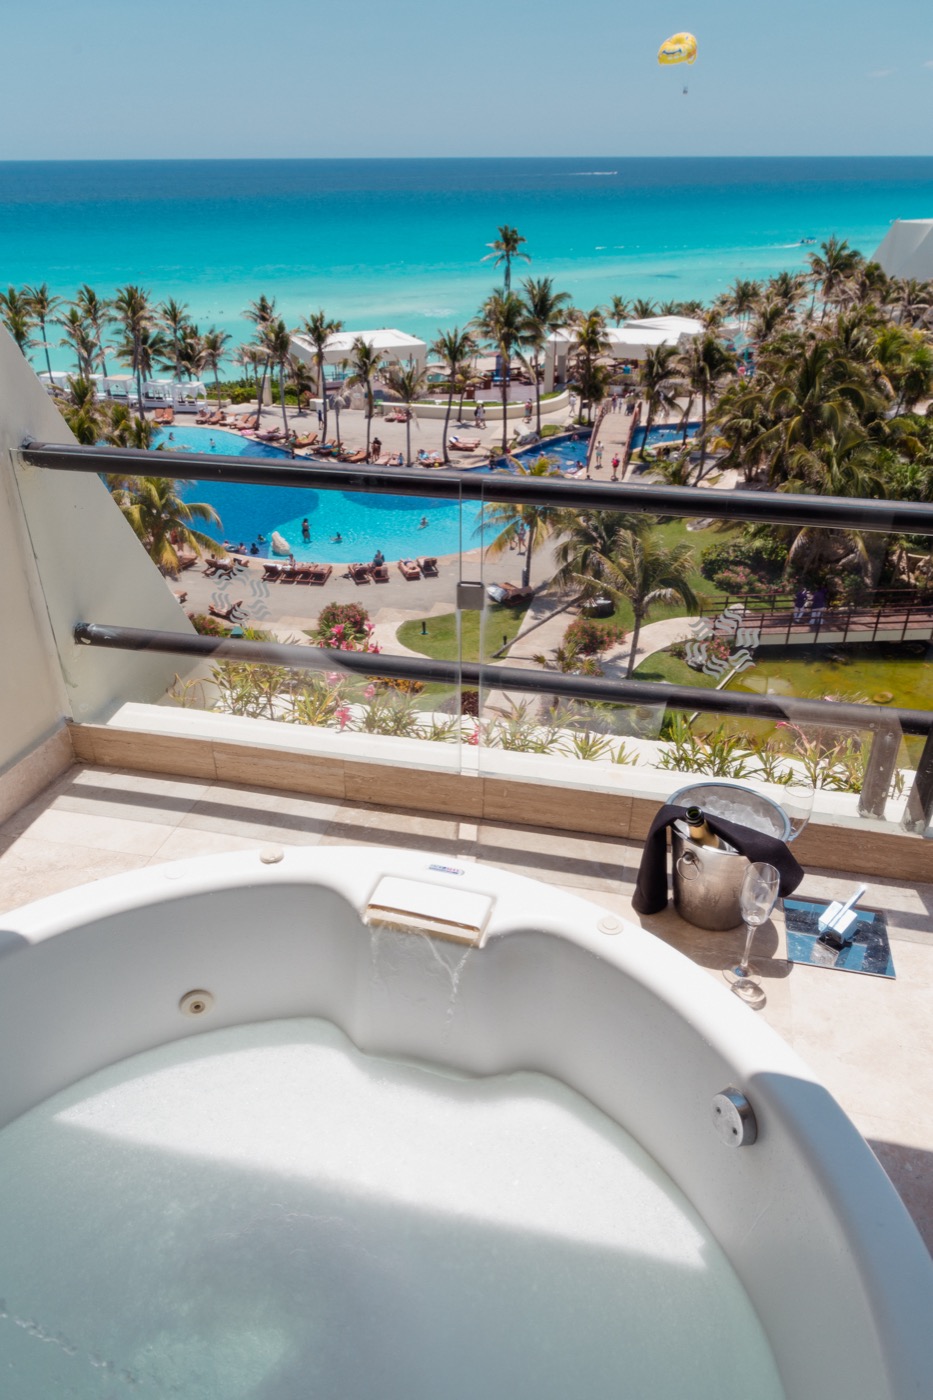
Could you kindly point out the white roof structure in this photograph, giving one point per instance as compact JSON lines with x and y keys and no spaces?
{"x":394,"y":346}
{"x":630,"y":341}
{"x":907,"y":249}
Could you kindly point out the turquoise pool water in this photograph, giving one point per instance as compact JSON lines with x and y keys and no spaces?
{"x":364,"y":522}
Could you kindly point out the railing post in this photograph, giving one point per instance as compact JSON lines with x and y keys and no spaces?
{"x":879,"y":771}
{"x":919,"y":813}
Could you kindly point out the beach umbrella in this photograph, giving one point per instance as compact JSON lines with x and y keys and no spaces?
{"x":679,"y":48}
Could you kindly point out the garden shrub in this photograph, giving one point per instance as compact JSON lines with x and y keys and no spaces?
{"x":588,"y":636}
{"x":763,"y":557}
{"x":352,"y":617}
{"x":739,"y":578}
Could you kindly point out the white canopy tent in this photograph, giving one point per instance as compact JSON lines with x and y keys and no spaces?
{"x":907,"y":250}
{"x":394,"y":347}
{"x":630,"y":341}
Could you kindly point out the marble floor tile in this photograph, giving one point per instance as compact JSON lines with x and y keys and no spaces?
{"x":358,"y":824}
{"x":33,"y":868}
{"x":261,"y":814}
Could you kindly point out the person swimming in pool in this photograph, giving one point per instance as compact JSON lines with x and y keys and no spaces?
{"x":422,"y":523}
{"x":337,"y":539}
{"x":306,"y":531}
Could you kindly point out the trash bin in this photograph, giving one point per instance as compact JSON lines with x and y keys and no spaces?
{"x":708,"y":879}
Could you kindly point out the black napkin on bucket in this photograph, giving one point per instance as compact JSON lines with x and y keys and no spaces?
{"x":651,"y":886}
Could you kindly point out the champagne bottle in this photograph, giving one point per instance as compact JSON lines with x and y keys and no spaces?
{"x":699,"y":828}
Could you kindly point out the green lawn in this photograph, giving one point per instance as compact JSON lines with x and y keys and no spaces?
{"x":440,"y":643}
{"x":664,"y":667}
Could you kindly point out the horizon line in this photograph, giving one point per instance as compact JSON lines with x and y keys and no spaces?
{"x":333,"y":160}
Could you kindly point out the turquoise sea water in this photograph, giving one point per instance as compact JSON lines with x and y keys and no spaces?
{"x":401,"y":242}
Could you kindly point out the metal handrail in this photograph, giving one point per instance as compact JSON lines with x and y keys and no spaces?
{"x":778,"y":508}
{"x":770,"y":507}
{"x":884,"y":722}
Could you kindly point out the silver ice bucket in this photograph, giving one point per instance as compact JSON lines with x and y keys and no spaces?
{"x":708,"y":879}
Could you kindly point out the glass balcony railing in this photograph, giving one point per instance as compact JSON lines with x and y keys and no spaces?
{"x":598,"y":636}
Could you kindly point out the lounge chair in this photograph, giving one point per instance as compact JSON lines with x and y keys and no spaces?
{"x":226,"y":614}
{"x":248,"y":423}
{"x":409,"y":569}
{"x":464,"y":444}
{"x":320,"y":573}
{"x":428,"y":567}
{"x":360,"y":572}
{"x":379,"y":573}
{"x":288,"y":576}
{"x":271,"y":572}
{"x":359,"y":456}
{"x":306,"y":440}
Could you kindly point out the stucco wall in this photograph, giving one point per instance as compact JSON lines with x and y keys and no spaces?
{"x":66,"y":555}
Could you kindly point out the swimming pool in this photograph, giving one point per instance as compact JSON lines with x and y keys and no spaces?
{"x":664,"y":432}
{"x":364,"y":522}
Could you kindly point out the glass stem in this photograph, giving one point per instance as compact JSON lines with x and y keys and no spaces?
{"x":746,"y":955}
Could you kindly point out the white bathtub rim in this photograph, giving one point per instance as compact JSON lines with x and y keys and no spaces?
{"x":765,"y":1067}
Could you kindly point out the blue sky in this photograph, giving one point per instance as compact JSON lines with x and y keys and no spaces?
{"x":497,"y":77}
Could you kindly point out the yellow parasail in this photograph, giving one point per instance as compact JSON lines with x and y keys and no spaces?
{"x":679,"y":48}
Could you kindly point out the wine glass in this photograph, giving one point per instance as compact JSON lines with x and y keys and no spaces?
{"x":796,"y":798}
{"x":757,"y":899}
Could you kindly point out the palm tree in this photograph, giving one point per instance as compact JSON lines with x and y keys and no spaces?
{"x":319,"y":329}
{"x":501,"y":322}
{"x":143,"y":353}
{"x":771,"y":316}
{"x":619,"y":309}
{"x":812,"y":392}
{"x":96,"y":312}
{"x":646,"y":571}
{"x":83,"y":412}
{"x":302,"y":380}
{"x":43,"y":306}
{"x":174,"y":317}
{"x":587,"y":546}
{"x":127,"y":429}
{"x":214,"y":344}
{"x":509,"y":519}
{"x":830,"y":269}
{"x":456,"y":348}
{"x":162,"y":520}
{"x":277,"y":343}
{"x":262,"y":314}
{"x":365,"y":363}
{"x":587,"y":347}
{"x":704,"y":364}
{"x":192,"y":353}
{"x":658,"y":375}
{"x":741,"y":298}
{"x":787,"y":287}
{"x":408,"y":383}
{"x":17,"y":316}
{"x":546,"y":311}
{"x":642,"y":309}
{"x":134,"y":313}
{"x":79,"y":337}
{"x":504,"y":248}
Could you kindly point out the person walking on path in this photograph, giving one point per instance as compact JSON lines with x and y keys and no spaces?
{"x":599,"y":456}
{"x":615,"y":467}
{"x":817,"y":606}
{"x":801,"y":598}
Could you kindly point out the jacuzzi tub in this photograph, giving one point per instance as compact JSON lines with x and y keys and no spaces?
{"x":254,"y":1147}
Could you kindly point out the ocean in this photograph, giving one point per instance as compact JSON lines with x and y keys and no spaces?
{"x":401,"y":242}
